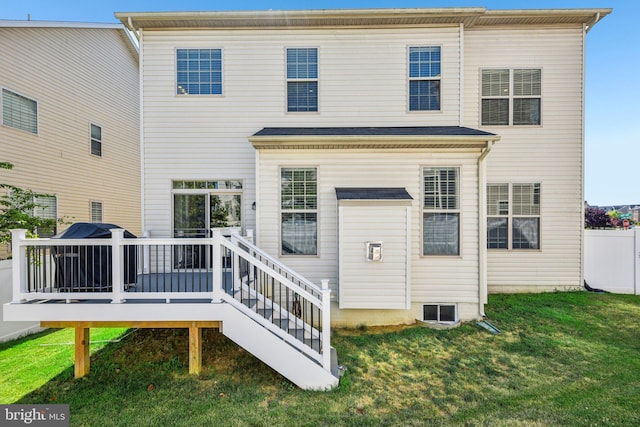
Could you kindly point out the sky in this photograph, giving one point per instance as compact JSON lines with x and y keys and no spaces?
{"x":612,"y":135}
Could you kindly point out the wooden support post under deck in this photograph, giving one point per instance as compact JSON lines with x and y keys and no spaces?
{"x":82,"y":353}
{"x":82,"y":362}
{"x":195,"y":349}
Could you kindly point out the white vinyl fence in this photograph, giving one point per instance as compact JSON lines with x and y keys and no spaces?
{"x":11,"y":330}
{"x":612,"y":260}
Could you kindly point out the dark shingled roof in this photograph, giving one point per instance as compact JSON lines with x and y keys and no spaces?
{"x":374,"y":131}
{"x":372,"y":193}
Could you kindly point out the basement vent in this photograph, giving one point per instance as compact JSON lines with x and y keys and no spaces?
{"x":439,"y":313}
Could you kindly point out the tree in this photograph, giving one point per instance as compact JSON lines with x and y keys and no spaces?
{"x":596,"y":218}
{"x":17,"y":210}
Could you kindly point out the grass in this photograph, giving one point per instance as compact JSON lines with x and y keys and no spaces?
{"x":562,"y":359}
{"x":30,"y":362}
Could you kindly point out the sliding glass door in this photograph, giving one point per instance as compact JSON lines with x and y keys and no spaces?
{"x":199,"y":206}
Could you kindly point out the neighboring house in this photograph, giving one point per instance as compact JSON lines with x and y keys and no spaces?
{"x":411,"y":160}
{"x":69,"y":123}
{"x":474,"y":115}
{"x":69,"y":119}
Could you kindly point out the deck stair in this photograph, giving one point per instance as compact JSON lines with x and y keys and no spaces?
{"x":282,"y":316}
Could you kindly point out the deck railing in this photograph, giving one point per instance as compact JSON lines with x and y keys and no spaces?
{"x":217,"y":269}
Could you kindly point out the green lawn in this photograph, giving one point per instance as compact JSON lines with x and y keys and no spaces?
{"x":562,"y":359}
{"x":29,"y":363}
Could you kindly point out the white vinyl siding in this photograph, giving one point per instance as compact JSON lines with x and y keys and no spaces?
{"x":366,"y":284}
{"x":182,"y":141}
{"x":430,"y":281}
{"x":550,"y":154}
{"x":19,"y":112}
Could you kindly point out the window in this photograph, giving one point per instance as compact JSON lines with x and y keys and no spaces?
{"x":200,"y":205}
{"x":199,"y":71}
{"x":302,"y":79}
{"x":518,"y":91}
{"x":299,"y":211}
{"x":441,"y":211}
{"x":19,"y":112}
{"x":439,"y":313}
{"x":96,"y":212}
{"x":424,"y":78}
{"x":96,"y":140}
{"x":513,"y":216}
{"x":46,"y":208}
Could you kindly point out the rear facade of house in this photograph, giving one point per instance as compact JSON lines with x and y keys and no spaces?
{"x":418,"y":159}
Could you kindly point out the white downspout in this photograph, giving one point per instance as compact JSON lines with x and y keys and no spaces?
{"x":482,"y":227}
{"x":141,"y":118}
{"x":582,"y":166}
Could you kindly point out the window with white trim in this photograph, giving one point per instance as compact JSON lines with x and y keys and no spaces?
{"x":46,"y":207}
{"x":96,"y":212}
{"x":199,"y":71}
{"x":302,"y":79}
{"x":441,"y":211}
{"x":299,"y":211}
{"x":96,"y":140}
{"x":511,"y":96}
{"x":513,"y":216}
{"x":19,"y":112}
{"x":439,"y":313}
{"x":424,"y":78}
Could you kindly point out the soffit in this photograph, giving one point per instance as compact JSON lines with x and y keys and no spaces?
{"x":357,"y":18}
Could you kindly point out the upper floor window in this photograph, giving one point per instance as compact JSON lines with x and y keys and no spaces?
{"x":302,"y":79}
{"x":299,"y":211}
{"x":96,"y":140}
{"x":199,"y":71}
{"x":424,"y":78}
{"x":513,"y":216}
{"x":19,"y":112}
{"x":441,"y":211}
{"x":511,"y":96}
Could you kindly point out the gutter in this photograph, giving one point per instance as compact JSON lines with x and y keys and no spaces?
{"x":593,"y":22}
{"x":132,"y":29}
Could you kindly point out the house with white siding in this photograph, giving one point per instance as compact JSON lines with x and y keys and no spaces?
{"x":477,"y":114}
{"x":384,"y":165}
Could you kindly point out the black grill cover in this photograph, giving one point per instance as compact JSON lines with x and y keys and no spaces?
{"x":88,"y":268}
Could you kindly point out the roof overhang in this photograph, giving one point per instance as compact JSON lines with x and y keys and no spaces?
{"x":373,"y":193}
{"x":435,"y":137}
{"x":358,"y":18}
